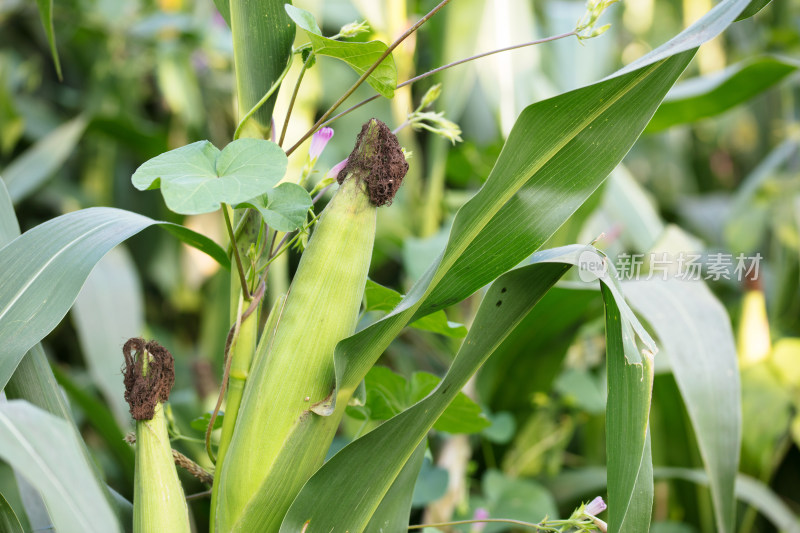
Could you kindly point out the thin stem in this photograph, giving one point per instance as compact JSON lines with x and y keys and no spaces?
{"x":294,"y":97}
{"x":198,"y":495}
{"x":263,"y":100}
{"x":367,"y":74}
{"x":485,"y":521}
{"x":321,"y":193}
{"x":245,"y":290}
{"x":447,"y":66}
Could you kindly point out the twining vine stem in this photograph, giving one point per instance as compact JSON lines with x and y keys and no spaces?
{"x":485,"y":521}
{"x":367,"y":74}
{"x":237,"y":258}
{"x":294,"y":97}
{"x":270,"y":92}
{"x":447,"y":66}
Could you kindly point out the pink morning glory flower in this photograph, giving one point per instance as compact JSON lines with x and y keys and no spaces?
{"x":596,"y":506}
{"x":318,"y":142}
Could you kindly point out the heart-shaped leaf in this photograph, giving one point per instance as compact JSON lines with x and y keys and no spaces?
{"x":198,"y":178}
{"x":360,"y":56}
{"x":283,"y":208}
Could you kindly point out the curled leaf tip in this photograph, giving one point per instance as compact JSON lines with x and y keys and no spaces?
{"x":149,"y":374}
{"x":378,"y":161}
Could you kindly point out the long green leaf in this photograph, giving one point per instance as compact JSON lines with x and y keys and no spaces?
{"x":506,"y":303}
{"x":9,"y":523}
{"x":695,"y":330}
{"x":44,"y":269}
{"x":262,"y":45}
{"x":39,"y":162}
{"x":102,"y":419}
{"x":395,"y":509}
{"x":558,"y":153}
{"x":705,"y":97}
{"x":748,"y":489}
{"x":33,"y":379}
{"x":61,"y":474}
{"x":46,"y":14}
{"x":627,"y":414}
{"x":103,"y":325}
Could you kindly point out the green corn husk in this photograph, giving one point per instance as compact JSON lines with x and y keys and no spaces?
{"x":159,"y":503}
{"x":279,"y":441}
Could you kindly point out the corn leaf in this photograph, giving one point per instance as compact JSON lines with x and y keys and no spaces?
{"x":46,"y":14}
{"x":508,"y":300}
{"x":61,"y":474}
{"x":45,"y":268}
{"x":103,"y":325}
{"x":9,"y":523}
{"x":708,"y":96}
{"x":395,"y":509}
{"x":749,"y":490}
{"x":196,"y":178}
{"x":696,"y":332}
{"x":262,"y":39}
{"x":39,"y":162}
{"x":559,"y":151}
{"x":359,"y":56}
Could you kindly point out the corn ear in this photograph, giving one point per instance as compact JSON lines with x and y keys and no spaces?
{"x":159,"y":503}
{"x":278,"y":441}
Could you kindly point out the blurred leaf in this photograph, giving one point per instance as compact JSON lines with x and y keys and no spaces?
{"x":60,"y":473}
{"x":201,"y":422}
{"x":581,"y":389}
{"x":747,"y":220}
{"x":46,"y":14}
{"x":45,"y":268}
{"x":389,"y":394}
{"x":462,"y":415}
{"x":695,"y":330}
{"x":700,"y":98}
{"x":360,"y":475}
{"x":749,"y":490}
{"x":102,"y":419}
{"x":360,"y":56}
{"x":283,"y":208}
{"x":9,"y":523}
{"x":786,"y":359}
{"x":515,"y":498}
{"x":196,"y":178}
{"x":536,"y":351}
{"x":627,"y":203}
{"x":395,"y":509}
{"x":43,"y":159}
{"x":380,"y":298}
{"x":431,"y":484}
{"x":12,"y":124}
{"x":502,"y":429}
{"x":763,"y":392}
{"x":107,"y":312}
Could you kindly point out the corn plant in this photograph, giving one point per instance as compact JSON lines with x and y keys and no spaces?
{"x":300,"y":355}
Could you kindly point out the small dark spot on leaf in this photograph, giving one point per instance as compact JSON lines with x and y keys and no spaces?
{"x":499,"y":303}
{"x":503,"y":290}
